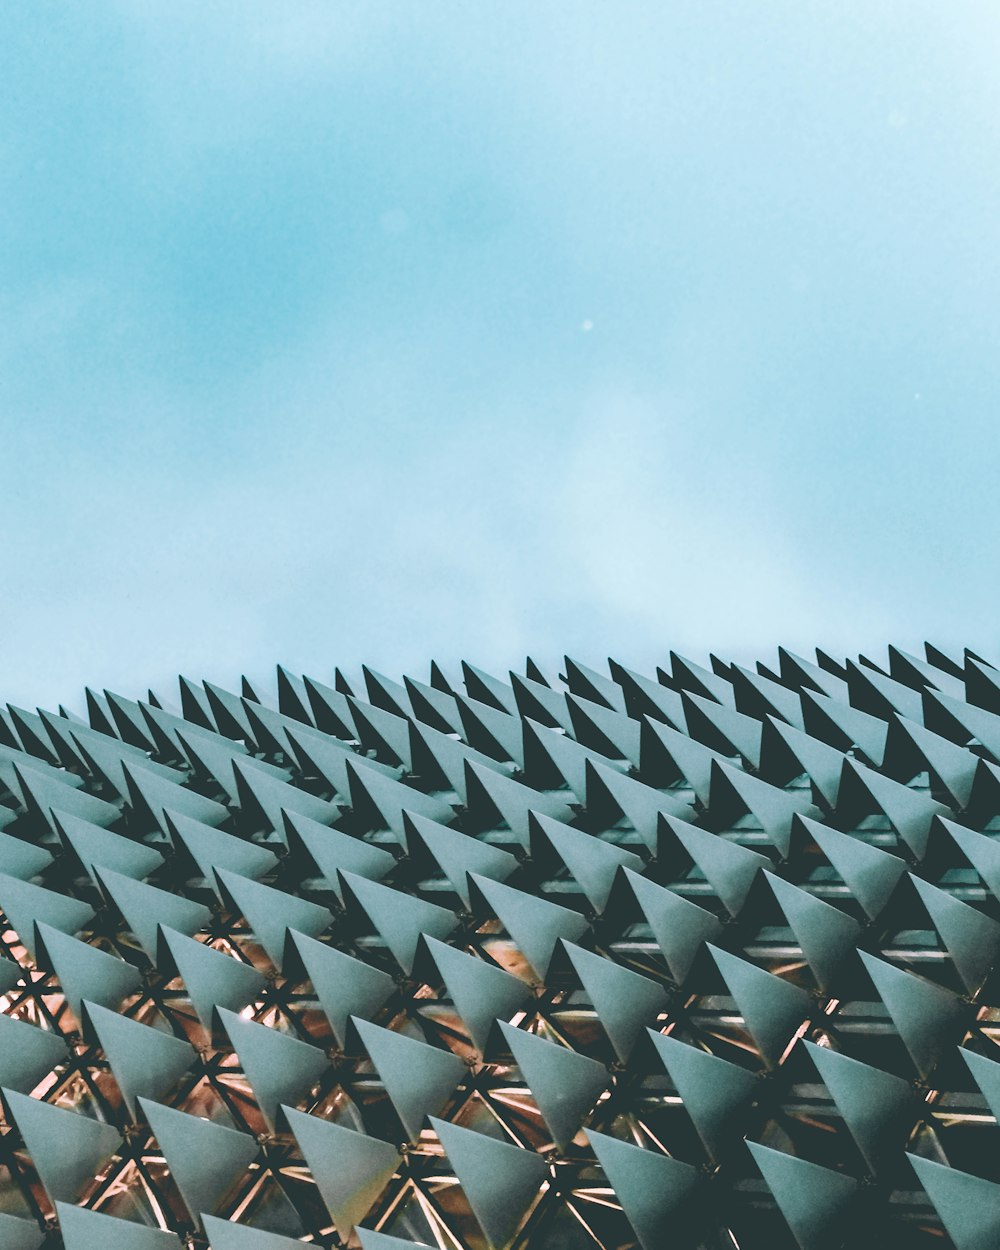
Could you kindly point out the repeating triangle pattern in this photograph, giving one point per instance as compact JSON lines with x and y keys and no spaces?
{"x":596,"y":959}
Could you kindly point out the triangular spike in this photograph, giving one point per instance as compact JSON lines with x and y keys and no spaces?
{"x":986,"y":1074}
{"x":722,"y":728}
{"x":458,"y":854}
{"x":982,"y":852}
{"x":385,"y":694}
{"x":212,"y":978}
{"x":614,"y":734}
{"x":99,"y":713}
{"x":534,"y":672}
{"x":439,"y":760}
{"x":144,"y":908}
{"x":211,"y":848}
{"x":344,"y":986}
{"x":342,"y":684}
{"x":67,"y":1148}
{"x":205,"y":1159}
{"x":379,"y":801}
{"x":333,"y":851}
{"x":270,"y":913}
{"x":869,"y":873}
{"x":166,"y":730}
{"x":66,"y":749}
{"x":645,"y":697}
{"x":211,"y":757}
{"x":565,"y":1085}
{"x":843,"y":726}
{"x":268,"y":729}
{"x":928,"y":1018}
{"x":499,"y":1180}
{"x":381,"y":1241}
{"x":482,"y":993}
{"x":985,"y":798}
{"x":105,"y":758}
{"x":432,"y":707}
{"x":773,"y":1009}
{"x":263,"y":798}
{"x":419,"y":1079}
{"x":83,"y":1229}
{"x":25,"y":904}
{"x":962,"y":721}
{"x":970,"y":938}
{"x":910,"y":812}
{"x":488,"y":689}
{"x":680,"y":928}
{"x":687,"y":675}
{"x":534,"y":924}
{"x":730,"y":869}
{"x":786,"y":752}
{"x":669,"y":756}
{"x":40,"y":794}
{"x":943,"y":661}
{"x":331,"y":710}
{"x":399,"y":919}
{"x":552,"y":760}
{"x":878,"y":695}
{"x":877,"y":1107}
{"x":440,"y":680}
{"x":21,"y":859}
{"x":386,"y":734}
{"x":592,"y":862}
{"x":63,"y":735}
{"x":815,"y":1201}
{"x":11,"y":756}
{"x":27,"y":1055}
{"x":589,"y":684}
{"x":653,"y":1188}
{"x":31,"y":731}
{"x":280,"y":1068}
{"x":92,"y":845}
{"x":228,"y":1235}
{"x":195,"y":703}
{"x":292,"y":698}
{"x":982,"y":684}
{"x":734,"y":792}
{"x":328,"y":758}
{"x":917,"y":673}
{"x":969,"y":1206}
{"x":247,"y":690}
{"x":611,"y":796}
{"x":826,"y":935}
{"x":625,"y":1001}
{"x":493,"y":798}
{"x":494,"y":732}
{"x":144,"y":1061}
{"x":11,"y":973}
{"x":714,"y":1091}
{"x":350,"y":1169}
{"x":541,"y":703}
{"x":953,"y":766}
{"x":150,"y":796}
{"x":84,"y":972}
{"x":758,"y":696}
{"x":227,"y":712}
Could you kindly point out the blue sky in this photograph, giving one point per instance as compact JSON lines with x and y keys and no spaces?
{"x":334,"y":332}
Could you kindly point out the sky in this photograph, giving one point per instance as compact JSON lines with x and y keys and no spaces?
{"x":341,"y":332}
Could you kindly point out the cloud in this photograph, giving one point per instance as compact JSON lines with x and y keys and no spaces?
{"x":291,"y":360}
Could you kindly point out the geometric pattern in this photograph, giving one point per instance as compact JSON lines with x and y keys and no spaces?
{"x":706,"y":958}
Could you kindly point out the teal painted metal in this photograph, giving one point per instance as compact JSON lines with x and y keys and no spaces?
{"x":603,"y":961}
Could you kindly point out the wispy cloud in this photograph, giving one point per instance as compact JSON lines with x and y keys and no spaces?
{"x":292,"y":349}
